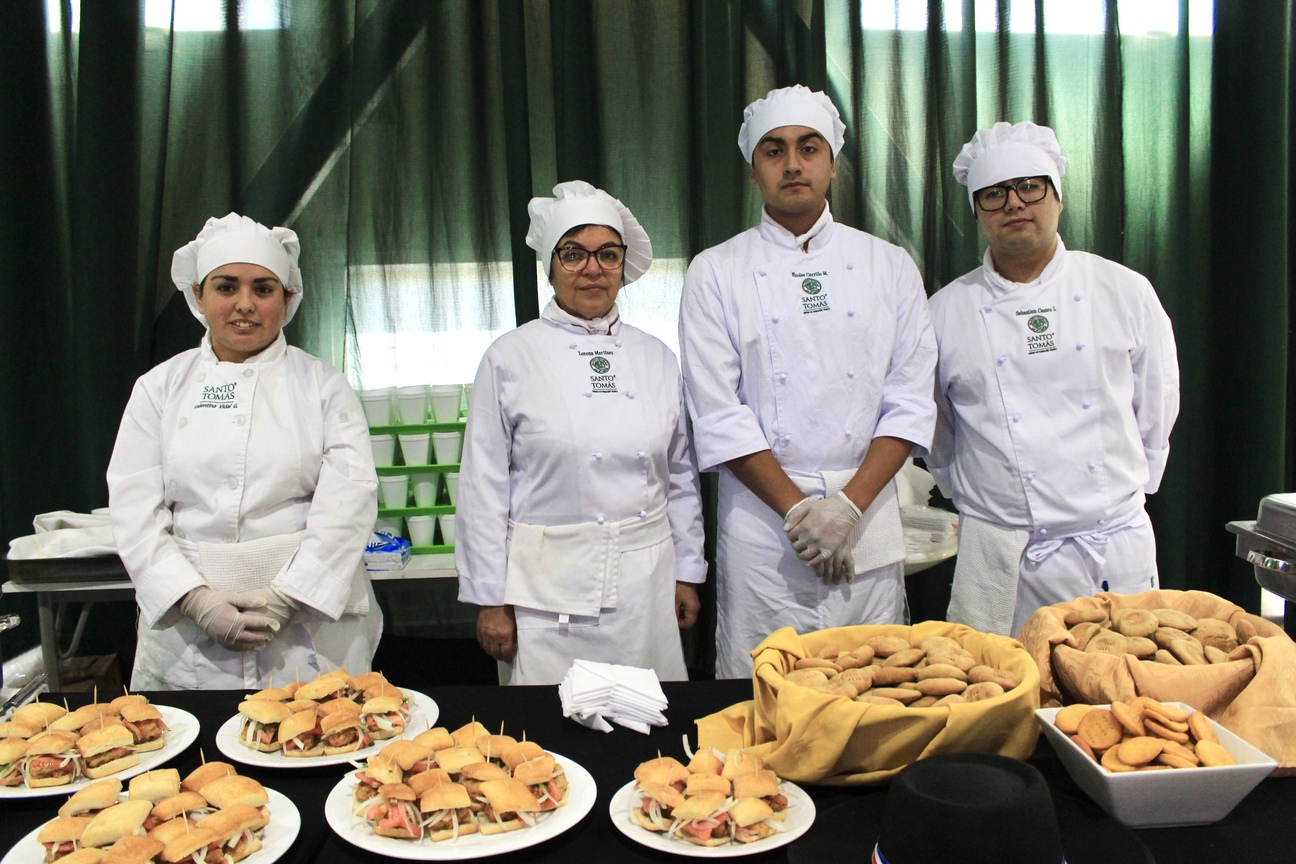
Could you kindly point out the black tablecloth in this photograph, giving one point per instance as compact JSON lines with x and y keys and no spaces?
{"x":1254,"y":833}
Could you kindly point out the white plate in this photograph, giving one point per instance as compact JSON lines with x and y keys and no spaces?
{"x":580,"y":800}
{"x":423,"y":713}
{"x":183,"y":732}
{"x":285,"y":823}
{"x":800,"y":816}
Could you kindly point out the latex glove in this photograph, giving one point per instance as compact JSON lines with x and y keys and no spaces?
{"x":823,"y":529}
{"x":220,"y":617}
{"x":272,"y":603}
{"x":842,"y":566}
{"x":794,"y":516}
{"x":497,"y":632}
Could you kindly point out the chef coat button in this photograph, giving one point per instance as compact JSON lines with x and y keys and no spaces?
{"x":202,"y":376}
{"x":616,"y":344}
{"x":1077,"y":297}
{"x":248,"y":373}
{"x":572,"y":346}
{"x":343,"y":417}
{"x":987,"y":308}
{"x":774,"y":320}
{"x":1102,"y":521}
{"x":1001,"y":359}
{"x":643,"y":513}
{"x":1079,"y":346}
{"x":184,"y":421}
{"x":599,"y":520}
{"x":848,"y":433}
{"x":850,"y":313}
{"x":850,"y":266}
{"x":1030,"y":476}
{"x":850,"y":373}
{"x":630,"y":395}
{"x":762,"y":272}
{"x":1091,"y":465}
{"x":639,"y":454}
{"x":588,"y":394}
{"x":1043,"y":531}
{"x":1086,"y":404}
{"x":174,"y":485}
{"x":232,"y":482}
{"x":240,"y":420}
{"x":782,"y":378}
{"x":1016,"y":418}
{"x":598,"y":457}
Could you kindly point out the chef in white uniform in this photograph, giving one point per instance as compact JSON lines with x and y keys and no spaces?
{"x":579,"y":527}
{"x":808,"y":359}
{"x":242,"y":486}
{"x":1058,"y":385}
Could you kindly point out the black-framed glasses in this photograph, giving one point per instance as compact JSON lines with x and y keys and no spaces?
{"x":1029,"y":190}
{"x":573,"y":258}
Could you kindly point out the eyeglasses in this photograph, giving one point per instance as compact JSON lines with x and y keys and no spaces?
{"x":573,"y":258}
{"x":1029,"y":190}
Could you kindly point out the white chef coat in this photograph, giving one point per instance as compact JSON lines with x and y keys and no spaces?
{"x":1056,"y":402}
{"x":227,"y":453}
{"x":811,"y":355}
{"x":580,"y":431}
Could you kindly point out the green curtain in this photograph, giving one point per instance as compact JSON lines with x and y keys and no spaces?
{"x":410,"y":133}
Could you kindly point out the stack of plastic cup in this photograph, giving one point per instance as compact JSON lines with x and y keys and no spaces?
{"x":420,"y":529}
{"x":445,"y":445}
{"x":445,"y":402}
{"x":412,"y":402}
{"x":467,"y":395}
{"x":377,"y":406}
{"x":452,"y":486}
{"x":395,"y":491}
{"x":447,"y":528}
{"x":389,"y":525}
{"x":425,"y":489}
{"x":414,"y":447}
{"x":384,"y":450}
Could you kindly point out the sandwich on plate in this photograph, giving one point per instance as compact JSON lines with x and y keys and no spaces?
{"x":394,"y":813}
{"x":299,"y":734}
{"x":51,"y":759}
{"x":99,"y":795}
{"x":509,"y":806}
{"x":447,"y":812}
{"x":107,"y":751}
{"x":259,"y":724}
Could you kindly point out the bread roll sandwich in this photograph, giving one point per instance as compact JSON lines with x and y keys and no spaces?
{"x":521,"y":752}
{"x":509,"y":806}
{"x":51,"y":759}
{"x":107,"y":751}
{"x":61,"y":836}
{"x":394,"y":813}
{"x":205,"y":773}
{"x":699,"y":783}
{"x":656,"y":805}
{"x":377,"y":772}
{"x":706,"y":762}
{"x":37,"y":715}
{"x":99,"y":795}
{"x":296,"y":706}
{"x":546,"y":780}
{"x":446,"y":812}
{"x":133,"y":849}
{"x":237,"y":789}
{"x":116,"y":822}
{"x":749,"y":820}
{"x":325,"y":688}
{"x":493,"y":746}
{"x":342,"y":733}
{"x":259,"y":727}
{"x":154,"y":786}
{"x":191,"y":847}
{"x":235,"y":829}
{"x":102,"y":721}
{"x":762,"y":784}
{"x":435,"y":739}
{"x":665,"y":770}
{"x":146,"y":725}
{"x":741,"y":762}
{"x":12,"y":729}
{"x":73,"y":721}
{"x":365,"y":680}
{"x":186,"y":805}
{"x":12,"y":751}
{"x":467,"y":734}
{"x":119,"y":704}
{"x":453,"y":759}
{"x":336,"y":705}
{"x":385,"y":717}
{"x":270,"y":694}
{"x":84,"y":856}
{"x":299,"y":734}
{"x":702,"y":820}
{"x":425,"y":780}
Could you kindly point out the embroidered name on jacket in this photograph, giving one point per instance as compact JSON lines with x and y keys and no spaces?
{"x":219,"y":396}
{"x":603,"y":380}
{"x":814,"y":299}
{"x":1040,"y":333}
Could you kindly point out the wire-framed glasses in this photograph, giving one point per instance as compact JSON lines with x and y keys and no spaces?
{"x":1029,"y":190}
{"x":573,"y":257}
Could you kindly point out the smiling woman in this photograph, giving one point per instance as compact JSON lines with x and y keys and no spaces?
{"x":245,"y":306}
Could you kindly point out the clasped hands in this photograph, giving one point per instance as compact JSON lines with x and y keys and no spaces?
{"x":819,"y":530}
{"x":239,"y":620}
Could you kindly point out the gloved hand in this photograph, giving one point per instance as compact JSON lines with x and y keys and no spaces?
{"x":219,"y":615}
{"x":821,"y":529}
{"x":842,"y":566}
{"x":270,"y":602}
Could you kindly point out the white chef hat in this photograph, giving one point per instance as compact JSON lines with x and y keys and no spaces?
{"x":578,"y":203}
{"x":235,"y":239}
{"x":791,"y":106}
{"x":1006,"y":151}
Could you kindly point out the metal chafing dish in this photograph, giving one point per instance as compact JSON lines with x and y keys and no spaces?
{"x":1269,"y":543}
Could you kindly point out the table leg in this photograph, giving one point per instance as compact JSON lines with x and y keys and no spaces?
{"x":49,"y":639}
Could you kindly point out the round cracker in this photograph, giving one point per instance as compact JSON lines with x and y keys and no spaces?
{"x":1100,"y":729}
{"x":1068,"y":718}
{"x":1212,"y":754}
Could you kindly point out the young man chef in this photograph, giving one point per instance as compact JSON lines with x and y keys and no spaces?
{"x":1058,"y":385}
{"x":808,"y":359}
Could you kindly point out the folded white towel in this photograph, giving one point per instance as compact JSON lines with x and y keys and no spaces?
{"x":594,"y":693}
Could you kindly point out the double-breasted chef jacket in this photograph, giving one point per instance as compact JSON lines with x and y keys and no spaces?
{"x":578,"y":496}
{"x":1056,"y":401}
{"x":809,"y":347}
{"x":243,"y":475}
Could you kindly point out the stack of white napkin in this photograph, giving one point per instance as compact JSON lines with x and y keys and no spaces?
{"x":594,"y":693}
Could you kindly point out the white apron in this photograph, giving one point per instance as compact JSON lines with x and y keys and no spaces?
{"x":601,"y":591}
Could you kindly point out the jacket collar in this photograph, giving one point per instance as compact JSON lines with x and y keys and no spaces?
{"x":608,"y":325}
{"x":1000,"y":285}
{"x":817,"y":236}
{"x":272,"y":352}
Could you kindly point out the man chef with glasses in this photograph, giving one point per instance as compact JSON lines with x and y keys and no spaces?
{"x":1057,"y":387}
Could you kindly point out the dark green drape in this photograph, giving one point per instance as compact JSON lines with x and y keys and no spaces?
{"x":406,"y":136}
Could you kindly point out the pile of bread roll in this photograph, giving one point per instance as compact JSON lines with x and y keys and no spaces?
{"x":888,"y":670}
{"x":1161,"y":635}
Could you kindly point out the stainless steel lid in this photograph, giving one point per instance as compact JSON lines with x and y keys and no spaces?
{"x":1269,"y":543}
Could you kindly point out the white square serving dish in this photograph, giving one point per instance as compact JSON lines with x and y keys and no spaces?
{"x":1158,"y":799}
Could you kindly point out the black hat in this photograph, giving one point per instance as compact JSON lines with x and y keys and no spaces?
{"x":971,"y":808}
